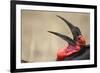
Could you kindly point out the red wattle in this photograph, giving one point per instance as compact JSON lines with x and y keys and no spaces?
{"x":65,"y":52}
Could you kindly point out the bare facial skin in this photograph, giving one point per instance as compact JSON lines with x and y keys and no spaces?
{"x":81,"y":40}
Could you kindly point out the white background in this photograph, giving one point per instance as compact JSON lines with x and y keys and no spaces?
{"x":5,"y":36}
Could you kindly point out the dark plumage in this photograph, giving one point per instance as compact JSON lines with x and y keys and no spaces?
{"x":77,"y":44}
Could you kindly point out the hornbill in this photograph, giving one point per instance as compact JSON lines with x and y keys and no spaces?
{"x":77,"y":48}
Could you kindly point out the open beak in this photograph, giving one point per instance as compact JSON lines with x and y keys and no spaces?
{"x":66,"y":38}
{"x":75,"y":30}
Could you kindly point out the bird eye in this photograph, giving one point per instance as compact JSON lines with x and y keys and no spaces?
{"x":78,"y":38}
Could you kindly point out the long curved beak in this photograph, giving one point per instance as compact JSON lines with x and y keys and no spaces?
{"x":75,"y":30}
{"x":66,"y":38}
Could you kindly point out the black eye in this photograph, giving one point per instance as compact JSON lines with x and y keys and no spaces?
{"x":78,"y":38}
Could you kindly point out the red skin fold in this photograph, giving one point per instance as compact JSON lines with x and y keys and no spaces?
{"x":70,"y":49}
{"x":65,"y":52}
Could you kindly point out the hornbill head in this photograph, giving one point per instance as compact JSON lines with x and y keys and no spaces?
{"x":78,"y":38}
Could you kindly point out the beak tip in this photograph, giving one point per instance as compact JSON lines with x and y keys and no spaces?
{"x":50,"y":31}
